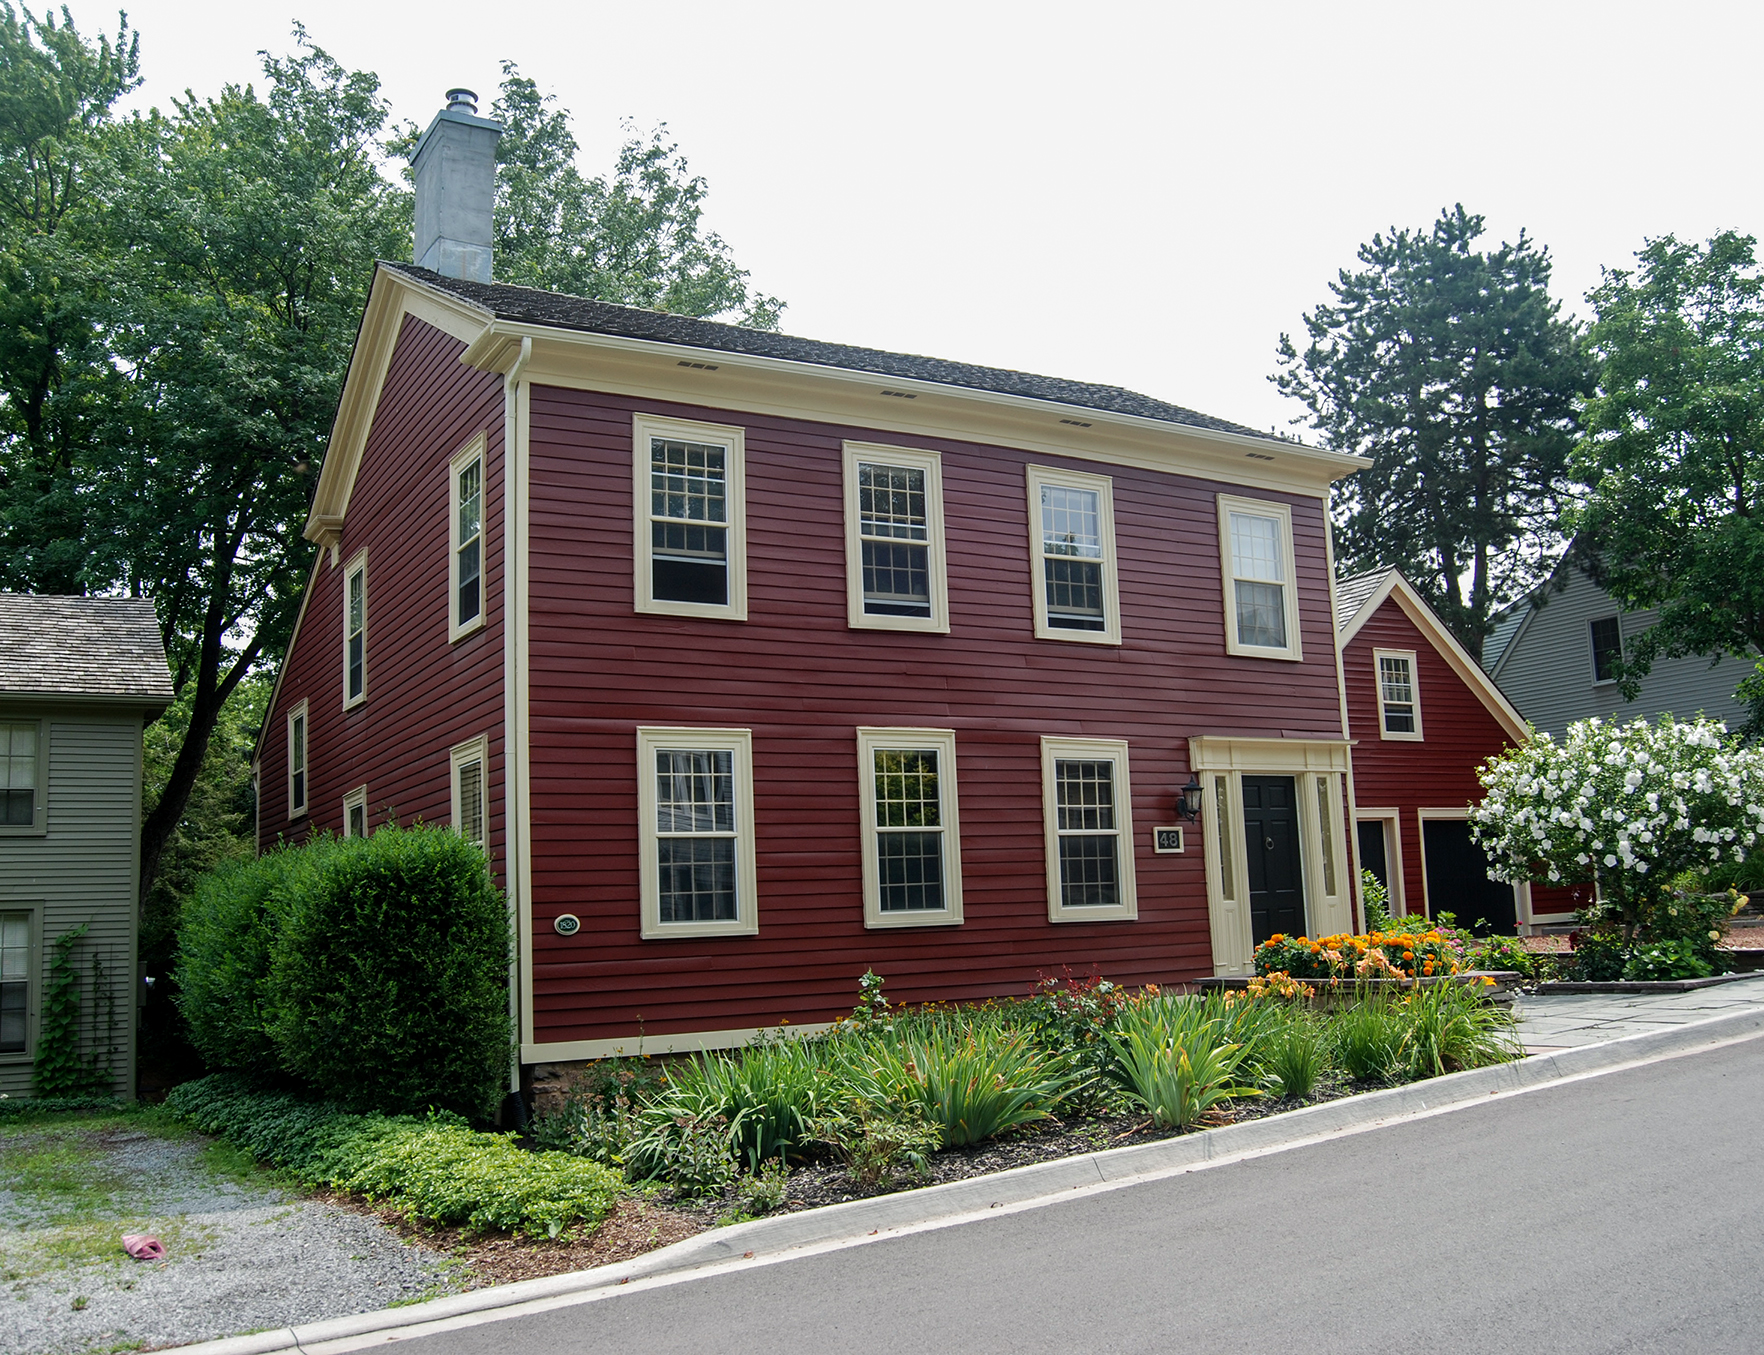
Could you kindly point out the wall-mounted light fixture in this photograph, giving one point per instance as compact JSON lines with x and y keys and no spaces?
{"x":1189,"y":803}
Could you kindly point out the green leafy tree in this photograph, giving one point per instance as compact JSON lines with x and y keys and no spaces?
{"x":634,"y":237}
{"x":1452,"y":369}
{"x":1674,"y":450}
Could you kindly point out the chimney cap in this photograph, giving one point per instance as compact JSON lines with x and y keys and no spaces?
{"x":462,"y":101}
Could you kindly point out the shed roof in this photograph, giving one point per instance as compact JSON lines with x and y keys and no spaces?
{"x":529,"y":305}
{"x":82,"y":647}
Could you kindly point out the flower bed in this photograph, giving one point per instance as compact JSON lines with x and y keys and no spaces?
{"x":1375,"y":955}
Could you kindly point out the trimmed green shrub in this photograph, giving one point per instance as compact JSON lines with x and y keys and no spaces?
{"x":389,"y":977}
{"x":1666,"y":960}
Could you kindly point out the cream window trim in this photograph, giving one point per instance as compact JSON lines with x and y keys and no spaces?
{"x":1042,"y":478}
{"x":1392,"y":821}
{"x":1282,"y":513}
{"x":931,"y":464}
{"x":354,"y":626}
{"x":299,"y":785}
{"x":36,"y":732}
{"x":734,"y":443}
{"x":32,"y":913}
{"x":355,"y":813}
{"x":1114,"y":751}
{"x":465,"y":755}
{"x":870,"y":741}
{"x":1406,"y":656}
{"x":456,"y":541}
{"x":739,"y":744}
{"x":1521,"y":894}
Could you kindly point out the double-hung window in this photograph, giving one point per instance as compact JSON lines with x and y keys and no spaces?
{"x":1607,"y":647}
{"x":695,"y":823}
{"x":894,"y":569}
{"x":690,"y":519}
{"x":355,"y":813}
{"x":1261,"y":606}
{"x":15,"y":982}
{"x":297,"y":770}
{"x":1087,"y":808}
{"x":22,"y":750}
{"x":466,"y":761}
{"x":465,"y":478}
{"x":912,"y":843}
{"x":1399,"y":699}
{"x":1072,"y":554}
{"x":355,"y":631}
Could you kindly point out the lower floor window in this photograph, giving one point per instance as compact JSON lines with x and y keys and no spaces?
{"x":15,"y":981}
{"x":695,"y":803}
{"x":1089,"y":827}
{"x":355,"y":813}
{"x":912,"y":845}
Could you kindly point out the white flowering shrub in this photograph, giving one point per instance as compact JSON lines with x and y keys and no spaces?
{"x":1627,"y":806}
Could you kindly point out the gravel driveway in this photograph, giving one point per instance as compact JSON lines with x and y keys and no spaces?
{"x":242,"y":1255}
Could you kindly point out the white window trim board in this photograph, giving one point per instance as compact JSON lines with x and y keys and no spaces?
{"x":943,"y":741}
{"x":739,"y":742}
{"x":1521,"y":892}
{"x":39,"y":824}
{"x":932,"y":464}
{"x":472,"y":451}
{"x":463,"y":754}
{"x":1414,"y":692}
{"x":33,"y":908}
{"x":303,"y":807}
{"x":357,"y":563}
{"x":1392,"y":819}
{"x":356,"y":797}
{"x":734,"y":441}
{"x":1104,"y":488}
{"x":1058,"y":749}
{"x":1294,"y":650}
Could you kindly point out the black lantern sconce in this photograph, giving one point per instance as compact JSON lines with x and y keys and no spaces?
{"x":1189,"y":803}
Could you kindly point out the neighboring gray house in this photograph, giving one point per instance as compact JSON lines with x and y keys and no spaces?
{"x":1553,"y":661}
{"x":78,"y":679}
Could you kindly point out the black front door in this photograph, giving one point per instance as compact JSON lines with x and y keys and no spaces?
{"x":1271,"y":835}
{"x":1458,"y":883}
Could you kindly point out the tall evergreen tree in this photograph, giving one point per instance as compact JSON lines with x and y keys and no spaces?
{"x":1453,"y":371}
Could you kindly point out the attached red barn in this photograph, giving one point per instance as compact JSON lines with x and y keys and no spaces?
{"x":1424,"y":717}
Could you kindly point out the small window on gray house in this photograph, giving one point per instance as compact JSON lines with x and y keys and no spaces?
{"x":15,"y":981}
{"x":689,"y":514}
{"x":18,"y":774}
{"x":1607,"y":648}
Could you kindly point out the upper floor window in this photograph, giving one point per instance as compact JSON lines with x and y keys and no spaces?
{"x":355,"y":631}
{"x":466,"y":562}
{"x":15,"y":982}
{"x":1088,"y":821}
{"x":297,"y":761}
{"x":912,"y":844}
{"x":690,"y":519}
{"x":695,"y":826}
{"x":467,"y":763}
{"x":1607,"y":648}
{"x":1261,"y":605}
{"x":1399,"y":700}
{"x":21,"y":776}
{"x":894,"y":539}
{"x":1072,"y":551}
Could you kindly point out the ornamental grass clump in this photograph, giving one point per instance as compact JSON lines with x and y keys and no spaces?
{"x":1294,"y":1057}
{"x":1448,"y":1027}
{"x":1175,"y":1060}
{"x":971,"y":1085}
{"x":1366,"y":1038}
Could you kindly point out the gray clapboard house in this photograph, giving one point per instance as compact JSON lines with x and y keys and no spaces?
{"x":1554,"y":661}
{"x":79,"y":677}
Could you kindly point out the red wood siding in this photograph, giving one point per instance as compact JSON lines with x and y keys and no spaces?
{"x":802,"y":681}
{"x":424,"y":695}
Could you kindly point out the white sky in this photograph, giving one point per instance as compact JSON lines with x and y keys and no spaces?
{"x":1138,"y":194}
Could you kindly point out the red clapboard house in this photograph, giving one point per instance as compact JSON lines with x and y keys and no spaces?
{"x":758,"y":662}
{"x":1424,"y":716}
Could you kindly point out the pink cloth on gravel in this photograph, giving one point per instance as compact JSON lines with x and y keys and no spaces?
{"x":143,"y":1248}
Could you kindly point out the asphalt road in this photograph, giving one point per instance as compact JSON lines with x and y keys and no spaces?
{"x":1620,"y":1213}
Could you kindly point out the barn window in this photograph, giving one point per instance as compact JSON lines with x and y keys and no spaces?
{"x":1399,"y":698}
{"x":467,"y":762}
{"x":695,"y":813}
{"x":297,"y":770}
{"x":21,"y":776}
{"x":355,"y":631}
{"x":912,"y":848}
{"x":15,"y":982}
{"x":1089,"y":829}
{"x":894,"y":539}
{"x":1072,"y":553}
{"x":691,"y":531}
{"x":1607,"y":648}
{"x":1261,"y":608}
{"x":355,"y":813}
{"x":465,"y":477}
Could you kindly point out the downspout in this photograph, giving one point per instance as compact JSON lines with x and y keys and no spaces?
{"x":1356,"y":900}
{"x":514,"y":696}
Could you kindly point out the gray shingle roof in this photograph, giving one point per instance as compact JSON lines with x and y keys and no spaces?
{"x":1506,"y":626}
{"x":87,"y":647}
{"x":527,"y":305}
{"x":1351,"y":593}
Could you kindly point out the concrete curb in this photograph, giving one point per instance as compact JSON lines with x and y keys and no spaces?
{"x":1640,"y":986}
{"x":1042,"y":1183}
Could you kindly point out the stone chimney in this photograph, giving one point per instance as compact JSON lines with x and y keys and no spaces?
{"x":455,"y":164}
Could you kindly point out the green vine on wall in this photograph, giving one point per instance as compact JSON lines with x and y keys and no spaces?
{"x":59,"y":1069}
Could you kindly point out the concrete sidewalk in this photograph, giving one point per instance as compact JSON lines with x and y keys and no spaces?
{"x":1569,"y":1020}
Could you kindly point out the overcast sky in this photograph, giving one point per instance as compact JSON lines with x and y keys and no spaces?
{"x":1143,"y":195}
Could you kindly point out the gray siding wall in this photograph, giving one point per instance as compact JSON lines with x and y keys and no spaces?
{"x":1548,"y":673}
{"x":83,"y":871}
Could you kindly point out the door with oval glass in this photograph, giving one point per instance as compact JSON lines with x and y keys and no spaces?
{"x":1271,"y":841}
